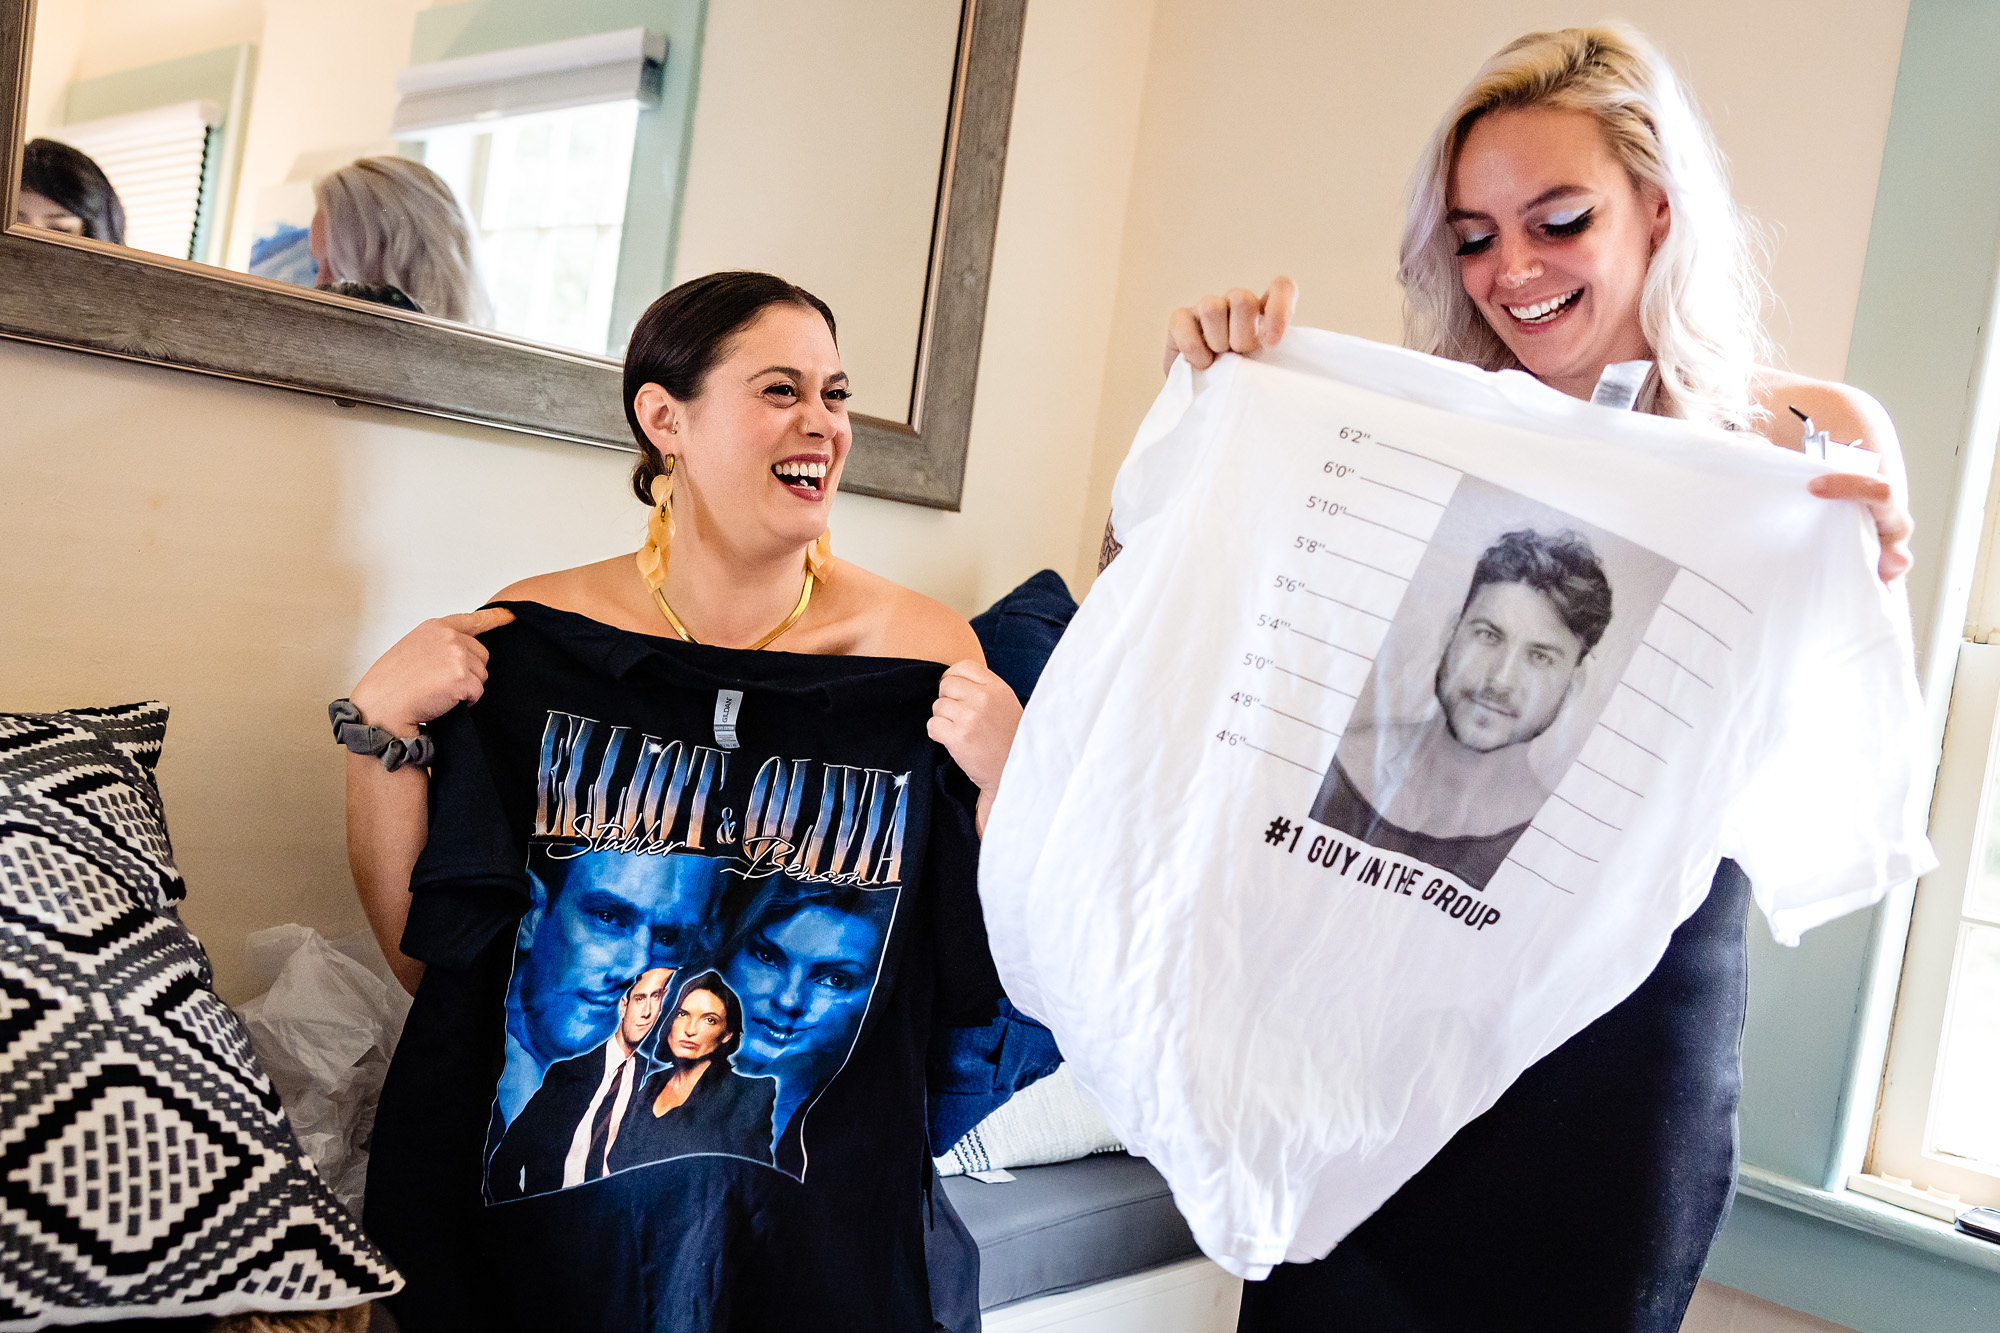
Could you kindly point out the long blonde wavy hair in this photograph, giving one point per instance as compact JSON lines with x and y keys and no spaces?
{"x":1701,"y":306}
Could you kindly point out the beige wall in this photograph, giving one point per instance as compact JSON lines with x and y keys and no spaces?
{"x":321,"y":98}
{"x":818,"y":131}
{"x":243,"y":553}
{"x":81,"y":39}
{"x":1278,"y":137}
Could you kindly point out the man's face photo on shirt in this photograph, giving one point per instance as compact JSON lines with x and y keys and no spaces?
{"x":1511,"y":664}
{"x":640,"y":1008}
{"x":612,"y":916}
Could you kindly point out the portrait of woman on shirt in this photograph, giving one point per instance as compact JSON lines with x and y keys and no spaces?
{"x":804,"y":960}
{"x":698,"y":1099}
{"x":1571,"y":212}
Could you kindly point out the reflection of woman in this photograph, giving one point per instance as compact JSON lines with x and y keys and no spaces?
{"x":804,"y":962}
{"x":390,"y":222}
{"x":1571,"y":213}
{"x":63,"y":190}
{"x":696,"y":1103}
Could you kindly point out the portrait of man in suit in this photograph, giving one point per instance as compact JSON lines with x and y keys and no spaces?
{"x":593,"y":923}
{"x":564,"y":1134}
{"x":1455,"y":788}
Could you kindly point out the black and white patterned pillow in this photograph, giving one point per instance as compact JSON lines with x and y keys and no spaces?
{"x":146,"y":1166}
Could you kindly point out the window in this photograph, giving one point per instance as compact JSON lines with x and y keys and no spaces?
{"x":546,"y":197}
{"x":159,"y":163}
{"x":537,"y":142}
{"x":1937,"y":1135}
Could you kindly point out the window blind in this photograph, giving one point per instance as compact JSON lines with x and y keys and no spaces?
{"x":154,"y":160}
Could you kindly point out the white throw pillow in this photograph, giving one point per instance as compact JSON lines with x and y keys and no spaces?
{"x":1049,"y":1121}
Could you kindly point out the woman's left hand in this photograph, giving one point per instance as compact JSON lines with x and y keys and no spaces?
{"x":974,"y":718}
{"x":1884,"y":501}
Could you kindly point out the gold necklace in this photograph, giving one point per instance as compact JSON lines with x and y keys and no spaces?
{"x":805,"y":598}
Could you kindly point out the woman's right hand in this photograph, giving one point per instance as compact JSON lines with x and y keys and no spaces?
{"x":428,"y":672}
{"x":1237,"y":321}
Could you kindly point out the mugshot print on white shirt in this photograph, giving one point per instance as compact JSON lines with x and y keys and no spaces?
{"x":1411,"y":721}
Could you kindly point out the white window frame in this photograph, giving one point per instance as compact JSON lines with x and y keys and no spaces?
{"x":1963,"y":815}
{"x":1961,"y":827}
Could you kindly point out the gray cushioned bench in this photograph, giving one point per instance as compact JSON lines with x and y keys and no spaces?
{"x":1056,"y":1227}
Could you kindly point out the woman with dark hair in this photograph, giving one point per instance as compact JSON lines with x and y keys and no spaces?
{"x":63,"y":190}
{"x":802,"y":957}
{"x":626,"y":708}
{"x":696,"y":1102}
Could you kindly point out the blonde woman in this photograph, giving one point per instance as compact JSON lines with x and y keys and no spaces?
{"x":1571,"y":212}
{"x":391,"y":222}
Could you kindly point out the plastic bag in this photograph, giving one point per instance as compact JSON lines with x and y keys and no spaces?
{"x":325,"y":1031}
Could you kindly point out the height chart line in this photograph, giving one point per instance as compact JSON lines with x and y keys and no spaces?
{"x":1719,"y":588}
{"x":1613,"y":781}
{"x":1585,"y":813}
{"x":1328,"y":550}
{"x":1664,"y":606}
{"x":1324,"y":597}
{"x":1362,"y":476}
{"x":1523,"y":865}
{"x":1408,"y":536}
{"x":1675,"y":660}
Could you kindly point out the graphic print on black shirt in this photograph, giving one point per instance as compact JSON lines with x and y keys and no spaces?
{"x":1496,"y":663}
{"x":704,"y":933}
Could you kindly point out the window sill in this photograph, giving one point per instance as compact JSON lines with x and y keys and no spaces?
{"x":1861,"y":1213}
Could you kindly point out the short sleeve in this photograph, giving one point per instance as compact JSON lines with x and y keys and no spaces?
{"x":1836,"y":812}
{"x":968,"y":988}
{"x":471,"y":880}
{"x":1166,"y":451}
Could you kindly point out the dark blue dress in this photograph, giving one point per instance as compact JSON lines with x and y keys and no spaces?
{"x":1586,"y":1198}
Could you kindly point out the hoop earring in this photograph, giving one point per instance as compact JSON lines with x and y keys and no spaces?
{"x":659,"y":528}
{"x":819,"y":556}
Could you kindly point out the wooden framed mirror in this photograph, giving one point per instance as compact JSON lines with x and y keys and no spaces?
{"x":120,"y":300}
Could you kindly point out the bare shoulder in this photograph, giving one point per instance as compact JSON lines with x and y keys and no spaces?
{"x":893,"y":621}
{"x":1841,"y":410}
{"x":592,"y":590}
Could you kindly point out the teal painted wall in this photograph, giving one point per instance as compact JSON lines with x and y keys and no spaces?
{"x":224,"y":75}
{"x":1922,"y":333}
{"x":1860,"y":1281}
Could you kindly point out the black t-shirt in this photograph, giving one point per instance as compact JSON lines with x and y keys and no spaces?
{"x":646,"y":857}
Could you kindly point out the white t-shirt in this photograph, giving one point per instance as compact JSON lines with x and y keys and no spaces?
{"x":1413,"y":718}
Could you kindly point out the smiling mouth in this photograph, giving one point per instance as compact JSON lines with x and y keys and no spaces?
{"x":1545,"y":311}
{"x":802,"y":475}
{"x":777,"y":1036}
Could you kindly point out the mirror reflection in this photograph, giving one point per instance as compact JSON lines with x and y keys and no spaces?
{"x":539,"y":170}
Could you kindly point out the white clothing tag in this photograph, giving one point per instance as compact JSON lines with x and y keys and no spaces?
{"x":728,"y":703}
{"x":1620,"y":384}
{"x":996,"y":1176}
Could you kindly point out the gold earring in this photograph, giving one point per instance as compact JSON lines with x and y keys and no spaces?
{"x":659,"y":528}
{"x":819,"y":556}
